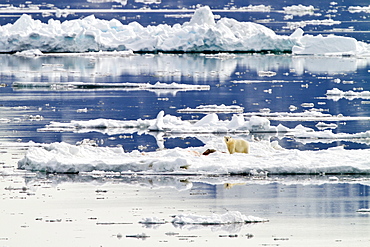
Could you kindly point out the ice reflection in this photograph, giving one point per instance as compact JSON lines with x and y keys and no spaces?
{"x":308,"y":196}
{"x":166,"y":67}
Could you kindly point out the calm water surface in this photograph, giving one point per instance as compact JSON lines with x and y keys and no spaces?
{"x":99,"y":210}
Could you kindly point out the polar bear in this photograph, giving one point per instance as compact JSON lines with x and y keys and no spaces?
{"x":236,"y":145}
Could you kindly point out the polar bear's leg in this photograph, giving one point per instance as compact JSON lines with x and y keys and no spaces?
{"x":231,"y":147}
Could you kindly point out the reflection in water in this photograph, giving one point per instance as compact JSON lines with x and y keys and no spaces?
{"x":307,"y":196}
{"x":166,"y":67}
{"x":234,"y":79}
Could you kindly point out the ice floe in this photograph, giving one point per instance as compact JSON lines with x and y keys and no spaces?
{"x":336,"y":94}
{"x":328,"y":134}
{"x":299,"y":10}
{"x":358,"y":9}
{"x":302,"y":24}
{"x":213,"y":108}
{"x":67,"y":158}
{"x":172,"y":124}
{"x":265,"y":156}
{"x":228,"y":218}
{"x":231,"y":221}
{"x":329,"y":45}
{"x":201,"y":33}
{"x":307,"y":115}
{"x":231,"y":217}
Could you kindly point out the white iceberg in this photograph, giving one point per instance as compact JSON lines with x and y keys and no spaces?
{"x":329,"y":45}
{"x":201,"y":33}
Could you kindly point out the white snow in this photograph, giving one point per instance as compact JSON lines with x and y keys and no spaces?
{"x":201,"y":33}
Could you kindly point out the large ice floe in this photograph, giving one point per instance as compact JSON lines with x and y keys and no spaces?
{"x":265,"y":156}
{"x":201,"y":33}
{"x":172,"y":124}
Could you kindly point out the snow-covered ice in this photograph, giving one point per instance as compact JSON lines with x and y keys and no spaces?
{"x":201,"y":33}
{"x":264,"y":156}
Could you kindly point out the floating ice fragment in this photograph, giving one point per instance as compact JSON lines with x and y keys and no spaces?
{"x":299,"y":10}
{"x":29,"y":53}
{"x":213,"y":108}
{"x":363,"y":210}
{"x":81,"y":110}
{"x":266,"y":73}
{"x":231,"y":217}
{"x":322,"y":125}
{"x":292,"y":108}
{"x":307,"y":105}
{"x":336,"y":94}
{"x":357,"y":9}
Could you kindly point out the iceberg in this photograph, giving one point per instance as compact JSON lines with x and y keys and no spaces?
{"x":201,"y":33}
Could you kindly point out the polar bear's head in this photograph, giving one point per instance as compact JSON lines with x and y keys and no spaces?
{"x":227,"y":138}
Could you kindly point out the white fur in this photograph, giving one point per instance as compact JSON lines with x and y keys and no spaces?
{"x":236,"y":145}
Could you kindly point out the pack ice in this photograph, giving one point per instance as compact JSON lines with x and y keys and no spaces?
{"x":201,"y":33}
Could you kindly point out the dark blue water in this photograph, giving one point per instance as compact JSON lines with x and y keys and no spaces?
{"x":297,"y":80}
{"x":288,"y":87}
